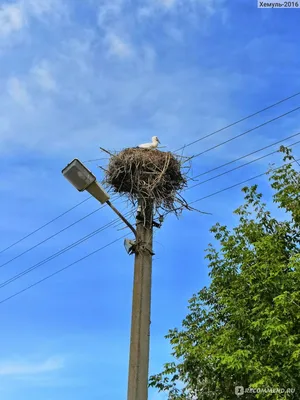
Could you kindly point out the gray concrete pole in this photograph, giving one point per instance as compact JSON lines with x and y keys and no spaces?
{"x":141,"y":306}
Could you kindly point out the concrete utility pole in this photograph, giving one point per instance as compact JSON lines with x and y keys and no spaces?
{"x":141,"y":305}
{"x":83,"y":179}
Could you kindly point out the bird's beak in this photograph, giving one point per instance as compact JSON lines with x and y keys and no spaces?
{"x":158,"y":140}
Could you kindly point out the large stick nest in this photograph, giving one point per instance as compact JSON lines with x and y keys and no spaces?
{"x":143,"y":174}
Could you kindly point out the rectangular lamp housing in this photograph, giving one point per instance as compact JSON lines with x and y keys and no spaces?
{"x":78,"y":175}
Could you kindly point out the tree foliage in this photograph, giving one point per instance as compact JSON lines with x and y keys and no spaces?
{"x":244,"y":329}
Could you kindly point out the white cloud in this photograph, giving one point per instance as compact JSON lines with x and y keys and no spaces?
{"x":174,"y":33}
{"x":119,"y":21}
{"x":43,"y":76}
{"x":41,"y":7}
{"x":168,"y":3}
{"x":28,"y":368}
{"x":15,"y":16}
{"x":149,"y":58}
{"x":197,"y":8}
{"x":103,"y":100}
{"x":108,"y":11}
{"x":18,"y":92}
{"x":100,"y":99}
{"x":118,"y":46}
{"x":12,"y":18}
{"x":112,"y":19}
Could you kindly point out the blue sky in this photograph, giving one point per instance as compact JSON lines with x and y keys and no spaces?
{"x":76,"y":75}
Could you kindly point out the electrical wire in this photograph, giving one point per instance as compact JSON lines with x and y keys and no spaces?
{"x":297,"y":162}
{"x":60,"y":270}
{"x":239,"y":166}
{"x":238,"y":121}
{"x":43,"y":226}
{"x":244,"y":133}
{"x":64,"y":250}
{"x":49,"y":237}
{"x":94,"y":252}
{"x":240,"y":183}
{"x":101,"y":229}
{"x":247,"y":155}
{"x":95,"y":159}
{"x":189,"y":144}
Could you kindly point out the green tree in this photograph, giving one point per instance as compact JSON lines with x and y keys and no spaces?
{"x":244,"y":329}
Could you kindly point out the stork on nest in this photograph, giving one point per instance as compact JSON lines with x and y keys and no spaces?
{"x":144,"y":174}
{"x":152,"y":145}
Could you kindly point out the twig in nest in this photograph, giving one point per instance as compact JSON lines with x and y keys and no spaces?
{"x":106,"y":151}
{"x":103,"y":169}
{"x":149,"y":175}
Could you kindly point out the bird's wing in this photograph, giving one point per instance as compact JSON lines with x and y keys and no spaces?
{"x":145,"y":145}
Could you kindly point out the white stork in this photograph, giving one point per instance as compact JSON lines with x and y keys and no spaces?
{"x":152,"y":145}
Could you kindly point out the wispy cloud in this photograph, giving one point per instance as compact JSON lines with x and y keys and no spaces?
{"x":200,"y":8}
{"x":106,"y":78}
{"x":114,"y":75}
{"x":144,"y":97}
{"x":168,"y":3}
{"x":117,"y":46}
{"x":18,"y":92}
{"x":108,"y":11}
{"x":29,"y":368}
{"x":16,"y":16}
{"x":12,"y":18}
{"x":43,"y":76}
{"x":39,"y":8}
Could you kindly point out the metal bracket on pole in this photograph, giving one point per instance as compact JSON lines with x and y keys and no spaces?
{"x":150,"y":251}
{"x":156,"y":224}
{"x":130,"y":246}
{"x":121,"y":216}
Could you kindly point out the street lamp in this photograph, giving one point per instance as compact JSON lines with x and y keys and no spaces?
{"x":83,"y":179}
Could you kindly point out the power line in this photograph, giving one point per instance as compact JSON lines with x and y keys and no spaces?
{"x":64,"y":250}
{"x":60,"y":270}
{"x":244,"y":133}
{"x":109,"y":244}
{"x":50,"y":237}
{"x":240,"y":183}
{"x":247,"y":155}
{"x":240,"y":120}
{"x":94,"y":252}
{"x":202,"y":138}
{"x":95,"y":159}
{"x":297,"y":161}
{"x":43,"y":226}
{"x":238,"y":167}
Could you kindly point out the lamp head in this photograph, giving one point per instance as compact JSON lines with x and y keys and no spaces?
{"x":78,"y":175}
